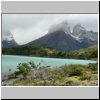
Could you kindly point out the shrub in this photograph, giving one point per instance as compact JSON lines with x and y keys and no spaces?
{"x":75,"y":70}
{"x":73,"y":81}
{"x":23,"y":69}
{"x":93,"y":67}
{"x":86,"y":75}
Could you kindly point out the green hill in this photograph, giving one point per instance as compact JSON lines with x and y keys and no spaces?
{"x":44,"y":51}
{"x":87,"y":53}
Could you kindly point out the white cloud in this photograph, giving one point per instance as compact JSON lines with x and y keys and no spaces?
{"x":28,"y":27}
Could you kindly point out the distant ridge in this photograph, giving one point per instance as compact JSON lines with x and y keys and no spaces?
{"x":60,"y":37}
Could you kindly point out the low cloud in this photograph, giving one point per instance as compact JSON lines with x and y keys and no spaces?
{"x":28,"y":27}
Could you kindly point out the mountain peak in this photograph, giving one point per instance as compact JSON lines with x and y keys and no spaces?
{"x":78,"y":30}
{"x":9,"y":37}
{"x":9,"y":41}
{"x":84,"y":35}
{"x":79,"y":26}
{"x":63,"y":26}
{"x":58,"y":40}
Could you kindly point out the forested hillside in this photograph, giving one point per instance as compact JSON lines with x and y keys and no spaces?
{"x":43,"y":51}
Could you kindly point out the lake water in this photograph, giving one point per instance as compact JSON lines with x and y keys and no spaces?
{"x":11,"y":61}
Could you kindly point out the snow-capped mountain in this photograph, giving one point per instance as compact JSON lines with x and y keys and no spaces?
{"x":81,"y":34}
{"x":60,"y":37}
{"x":78,"y":30}
{"x":9,"y":41}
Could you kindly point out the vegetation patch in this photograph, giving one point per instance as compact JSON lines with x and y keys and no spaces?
{"x":28,"y":74}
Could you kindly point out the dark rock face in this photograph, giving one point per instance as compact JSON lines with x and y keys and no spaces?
{"x":59,"y":40}
{"x":8,"y":44}
{"x":9,"y":41}
{"x":67,"y":41}
{"x":60,"y":37}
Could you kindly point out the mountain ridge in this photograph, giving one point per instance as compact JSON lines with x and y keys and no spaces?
{"x":60,"y":37}
{"x":79,"y":38}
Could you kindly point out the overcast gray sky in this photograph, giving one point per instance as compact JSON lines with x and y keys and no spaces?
{"x":28,"y":27}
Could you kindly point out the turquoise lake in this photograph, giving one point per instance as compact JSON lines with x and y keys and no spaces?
{"x":11,"y":61}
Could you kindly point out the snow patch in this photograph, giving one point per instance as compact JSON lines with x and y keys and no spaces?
{"x":77,"y":38}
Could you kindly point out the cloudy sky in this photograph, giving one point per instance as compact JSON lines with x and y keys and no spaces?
{"x":28,"y":27}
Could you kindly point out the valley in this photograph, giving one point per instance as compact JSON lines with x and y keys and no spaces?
{"x":61,"y":57}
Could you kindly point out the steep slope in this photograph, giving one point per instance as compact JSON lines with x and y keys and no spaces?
{"x":63,"y":26}
{"x":9,"y":42}
{"x":59,"y":40}
{"x":85,"y":37}
{"x":60,"y":37}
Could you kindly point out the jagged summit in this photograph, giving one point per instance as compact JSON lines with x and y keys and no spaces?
{"x":82,"y":34}
{"x":79,"y":26}
{"x":59,"y":36}
{"x":78,"y":30}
